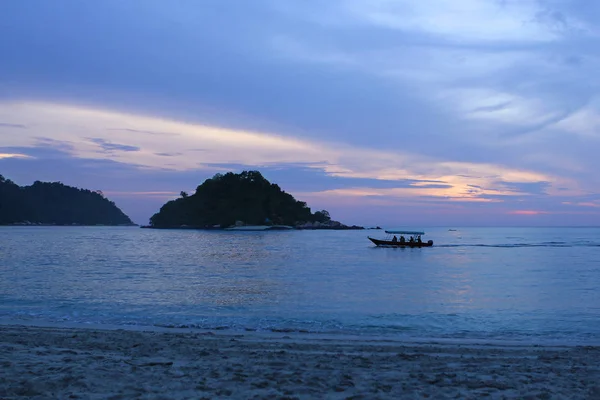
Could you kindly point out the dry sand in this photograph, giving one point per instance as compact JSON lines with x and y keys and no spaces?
{"x":104,"y":364}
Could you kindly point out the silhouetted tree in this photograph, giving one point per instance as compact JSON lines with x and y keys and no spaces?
{"x":322,"y":216}
{"x":227,"y":198}
{"x":55,"y":203}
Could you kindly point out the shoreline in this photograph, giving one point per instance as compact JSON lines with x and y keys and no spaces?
{"x":303,"y":334}
{"x":91,"y":362}
{"x":241,"y":229}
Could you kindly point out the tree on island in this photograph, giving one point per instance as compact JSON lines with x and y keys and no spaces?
{"x":56,"y":204}
{"x":322,"y":216}
{"x":227,"y":198}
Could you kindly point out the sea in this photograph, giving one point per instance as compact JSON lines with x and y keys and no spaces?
{"x":533,"y":285}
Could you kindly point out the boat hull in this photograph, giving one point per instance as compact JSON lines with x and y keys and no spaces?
{"x":389,"y":243}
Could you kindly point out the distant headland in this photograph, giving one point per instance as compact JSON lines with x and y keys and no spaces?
{"x":244,"y":201}
{"x":52,"y":203}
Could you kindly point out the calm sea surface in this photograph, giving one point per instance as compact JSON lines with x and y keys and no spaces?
{"x":527,"y":284}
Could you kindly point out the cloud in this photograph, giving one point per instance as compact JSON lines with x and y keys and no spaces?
{"x":169,"y":154}
{"x":527,"y":212}
{"x":533,"y":188}
{"x":477,"y":103}
{"x":583,"y":122}
{"x":7,"y":125}
{"x":46,"y":142}
{"x":13,"y":155}
{"x":467,"y":20}
{"x":588,"y":204}
{"x":422,"y":175}
{"x":470,"y":21}
{"x":139,"y":131}
{"x":110,"y":147}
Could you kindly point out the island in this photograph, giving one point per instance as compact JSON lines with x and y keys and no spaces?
{"x":244,"y":201}
{"x":53,"y":203}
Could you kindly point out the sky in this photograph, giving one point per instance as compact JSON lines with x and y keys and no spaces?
{"x":384,"y":112}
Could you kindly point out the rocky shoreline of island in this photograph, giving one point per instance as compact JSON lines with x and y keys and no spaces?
{"x":311,"y":226}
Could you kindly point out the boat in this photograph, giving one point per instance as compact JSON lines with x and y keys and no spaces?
{"x":390,"y":242}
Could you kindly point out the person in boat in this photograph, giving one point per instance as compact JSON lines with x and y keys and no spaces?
{"x":412,"y":240}
{"x":402,"y":240}
{"x":419,"y":239}
{"x":394,"y":239}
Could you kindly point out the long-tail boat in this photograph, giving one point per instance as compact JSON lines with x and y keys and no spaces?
{"x":412,"y":239}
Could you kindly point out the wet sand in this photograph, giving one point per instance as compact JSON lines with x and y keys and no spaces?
{"x":117,"y":364}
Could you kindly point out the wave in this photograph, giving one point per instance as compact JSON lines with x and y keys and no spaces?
{"x":450,"y":326}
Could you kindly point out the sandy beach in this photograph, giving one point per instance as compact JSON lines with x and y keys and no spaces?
{"x":118,"y":364}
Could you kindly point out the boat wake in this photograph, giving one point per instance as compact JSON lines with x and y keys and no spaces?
{"x":518,"y":245}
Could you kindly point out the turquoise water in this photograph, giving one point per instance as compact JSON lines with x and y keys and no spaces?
{"x":499,"y":283}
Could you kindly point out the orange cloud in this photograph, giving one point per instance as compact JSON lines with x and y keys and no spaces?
{"x":527,"y":212}
{"x":13,"y":155}
{"x":175,"y":145}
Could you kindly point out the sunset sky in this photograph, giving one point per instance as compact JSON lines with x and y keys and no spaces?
{"x":384,"y":112}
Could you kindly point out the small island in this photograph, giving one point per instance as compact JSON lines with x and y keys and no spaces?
{"x":244,"y":201}
{"x":52,"y":203}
